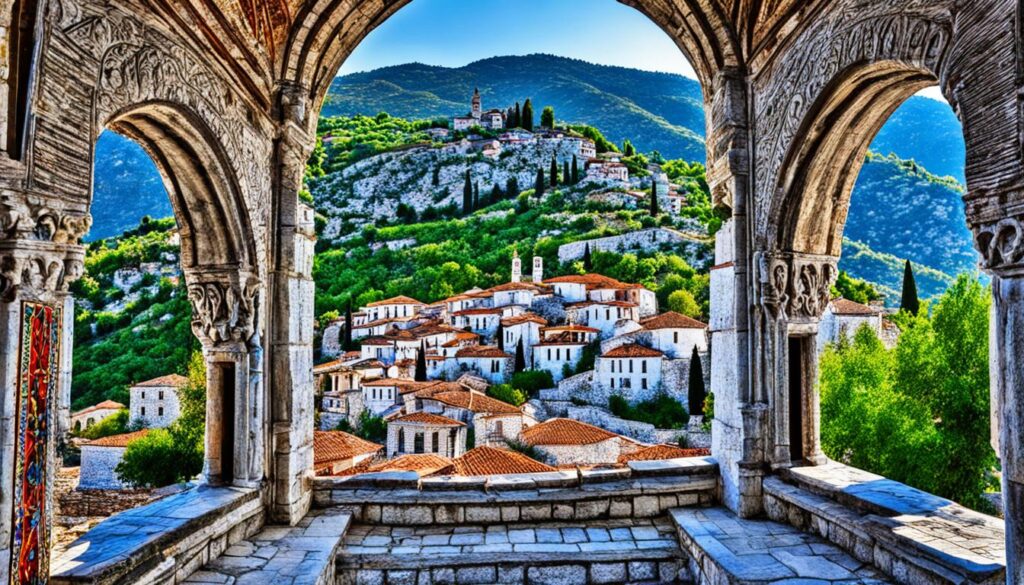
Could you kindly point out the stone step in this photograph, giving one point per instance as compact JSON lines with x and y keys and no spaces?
{"x":727,"y":550}
{"x":563,"y":553}
{"x":282,"y":555}
{"x":912,"y":536}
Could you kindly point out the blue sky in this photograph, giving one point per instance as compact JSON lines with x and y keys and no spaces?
{"x":453,"y":33}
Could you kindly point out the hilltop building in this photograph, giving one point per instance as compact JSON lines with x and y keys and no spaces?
{"x":155,"y":402}
{"x":491,"y":119}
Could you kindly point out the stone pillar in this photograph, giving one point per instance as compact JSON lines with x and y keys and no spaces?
{"x":39,"y":258}
{"x":224,"y":318}
{"x":290,"y":317}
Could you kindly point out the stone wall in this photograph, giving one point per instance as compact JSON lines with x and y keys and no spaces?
{"x":97,"y":468}
{"x":602,"y":452}
{"x":330,"y":342}
{"x":647,"y":240}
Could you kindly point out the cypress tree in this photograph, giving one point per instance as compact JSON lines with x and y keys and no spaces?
{"x":346,"y":342}
{"x":909,"y":301}
{"x":575,"y":170}
{"x":496,"y":195}
{"x":547,"y":117}
{"x":554,"y":171}
{"x":520,"y":357}
{"x":566,"y":177}
{"x":436,"y":179}
{"x":467,"y":195}
{"x":512,"y":187}
{"x":501,"y":336}
{"x":539,"y":186}
{"x":527,"y":115}
{"x":588,"y":264}
{"x":696,"y":391}
{"x":627,"y":148}
{"x":517,"y":118}
{"x":421,"y":363}
{"x":654,"y":199}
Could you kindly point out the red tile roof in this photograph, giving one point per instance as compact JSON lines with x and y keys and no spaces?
{"x":491,"y":461}
{"x":426,"y":418}
{"x":423,"y":464}
{"x":483,"y":311}
{"x":377,"y":340}
{"x":591,"y":281}
{"x":118,"y":440}
{"x":565,"y":431}
{"x":632,"y":350}
{"x":517,"y":286}
{"x":525,"y":318}
{"x":105,"y":405}
{"x":175,"y":380}
{"x":841,"y":306}
{"x":399,"y":300}
{"x":573,"y":327}
{"x":658,"y":452}
{"x":481,"y":351}
{"x":672,"y":320}
{"x":331,"y":446}
{"x":474,"y":401}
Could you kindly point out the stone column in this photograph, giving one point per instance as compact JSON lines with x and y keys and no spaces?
{"x":290,"y":316}
{"x":39,"y":259}
{"x":1001,"y":243}
{"x":224,"y":318}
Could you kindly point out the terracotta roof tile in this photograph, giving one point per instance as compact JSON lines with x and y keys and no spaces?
{"x":474,"y":401}
{"x":121,"y":440}
{"x":565,"y":431}
{"x":525,"y":318}
{"x":174,"y":380}
{"x":427,"y":418}
{"x":105,"y":405}
{"x":481,"y":311}
{"x":590,"y":280}
{"x":481,"y":351}
{"x":658,"y":452}
{"x":841,"y":306}
{"x":399,"y":300}
{"x":337,"y":445}
{"x":573,"y":327}
{"x":632,"y":350}
{"x":672,"y":320}
{"x":491,"y":461}
{"x":423,"y":464}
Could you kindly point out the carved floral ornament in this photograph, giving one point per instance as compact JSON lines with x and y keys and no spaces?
{"x":223,"y":307}
{"x":1001,"y":244}
{"x":795,"y":287}
{"x":39,"y":247}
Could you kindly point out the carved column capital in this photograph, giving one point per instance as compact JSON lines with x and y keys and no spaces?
{"x":1001,"y":244}
{"x":223,"y":307}
{"x":794,"y":286}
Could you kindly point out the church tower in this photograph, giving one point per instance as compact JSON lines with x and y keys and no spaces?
{"x":538,"y":269}
{"x":517,"y":267}
{"x":477,"y":110}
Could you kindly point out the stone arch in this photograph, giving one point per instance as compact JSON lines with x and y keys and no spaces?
{"x":322,"y":37}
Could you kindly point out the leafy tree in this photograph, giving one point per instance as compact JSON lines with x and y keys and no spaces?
{"x":496,"y":194}
{"x":506,"y":393}
{"x":520,"y":363}
{"x":467,"y":194}
{"x":654,"y":199}
{"x":682,"y":301}
{"x":696,"y":393}
{"x":547,"y":117}
{"x":421,"y":363}
{"x":526,"y":121}
{"x":114,"y":424}
{"x":538,"y":187}
{"x":855,"y":289}
{"x":476,"y":196}
{"x":908,"y":299}
{"x":532,"y":381}
{"x":554,"y":171}
{"x":662,"y":411}
{"x":627,"y":148}
{"x":372,"y":428}
{"x":588,"y":263}
{"x":575,"y":170}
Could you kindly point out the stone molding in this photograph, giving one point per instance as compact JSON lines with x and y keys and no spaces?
{"x":1001,"y":244}
{"x":795,"y":287}
{"x":223,"y":307}
{"x":40,"y":253}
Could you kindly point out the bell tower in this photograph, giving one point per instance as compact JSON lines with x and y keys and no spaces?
{"x":517,"y":267}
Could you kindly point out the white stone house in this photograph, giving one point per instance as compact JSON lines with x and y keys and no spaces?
{"x":156,"y":401}
{"x":463,"y":405}
{"x":482,"y":321}
{"x":631,"y":370}
{"x":100,"y":459}
{"x":843,"y":317}
{"x":380,"y":395}
{"x":568,"y":442}
{"x":525,"y":327}
{"x":554,"y":356}
{"x":675,"y":334}
{"x":603,"y":315}
{"x":87,"y":417}
{"x":378,"y":348}
{"x":497,"y":429}
{"x":423,"y":432}
{"x":488,"y":362}
{"x":337,"y":451}
{"x":393,"y":308}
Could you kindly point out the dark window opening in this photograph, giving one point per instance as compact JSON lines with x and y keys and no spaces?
{"x":20,"y":49}
{"x":796,"y":384}
{"x":227,"y":421}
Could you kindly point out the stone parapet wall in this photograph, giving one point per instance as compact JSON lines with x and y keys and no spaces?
{"x":642,"y":240}
{"x":644,"y":490}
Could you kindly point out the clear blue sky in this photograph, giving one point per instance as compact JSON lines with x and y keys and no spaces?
{"x":456,"y":32}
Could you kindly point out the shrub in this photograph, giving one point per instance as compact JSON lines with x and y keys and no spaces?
{"x":507,"y":393}
{"x":372,"y":428}
{"x":162,"y":457}
{"x":662,"y":411}
{"x":114,"y":424}
{"x":532,"y":381}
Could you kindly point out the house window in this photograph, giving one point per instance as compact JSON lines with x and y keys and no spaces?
{"x":499,"y":428}
{"x":549,"y":353}
{"x":607,"y":314}
{"x":675,"y":337}
{"x":417,"y":443}
{"x":142,"y":411}
{"x":643,"y":367}
{"x":160,"y":411}
{"x":452,"y":435}
{"x":401,"y":440}
{"x":613,"y":382}
{"x":143,"y":394}
{"x":161,"y":395}
{"x":643,"y":383}
{"x":436,"y":438}
{"x":630,"y":366}
{"x":494,"y":366}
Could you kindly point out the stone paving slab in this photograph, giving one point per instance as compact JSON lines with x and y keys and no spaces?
{"x":281,"y":555}
{"x":728,"y":550}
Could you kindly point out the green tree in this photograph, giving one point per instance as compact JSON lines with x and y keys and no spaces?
{"x":539,"y":185}
{"x":476,"y":196}
{"x":421,"y":363}
{"x":496,"y":195}
{"x":517,"y":121}
{"x":696,"y":392}
{"x":114,"y":424}
{"x":526,"y":121}
{"x":655,"y":211}
{"x":512,"y":187}
{"x":682,"y":301}
{"x":627,"y":148}
{"x":372,"y":428}
{"x":554,"y":171}
{"x":588,"y":263}
{"x":575,"y":170}
{"x":520,"y":363}
{"x":547,"y":117}
{"x":855,"y":289}
{"x":908,"y":299}
{"x":506,"y":393}
{"x":467,"y":194}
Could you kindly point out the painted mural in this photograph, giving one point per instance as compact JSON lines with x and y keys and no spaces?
{"x":37,"y":376}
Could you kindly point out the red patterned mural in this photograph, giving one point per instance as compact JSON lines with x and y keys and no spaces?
{"x":37,"y":383}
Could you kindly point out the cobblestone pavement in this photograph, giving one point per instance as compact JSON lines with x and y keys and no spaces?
{"x":554,"y":537}
{"x":282,"y":555}
{"x":733,"y":550}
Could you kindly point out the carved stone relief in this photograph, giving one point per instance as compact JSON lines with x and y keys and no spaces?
{"x":796,"y":287}
{"x":1001,"y":244}
{"x":223,"y":307}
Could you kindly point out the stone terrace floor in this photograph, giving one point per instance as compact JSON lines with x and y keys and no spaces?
{"x":730,"y":550}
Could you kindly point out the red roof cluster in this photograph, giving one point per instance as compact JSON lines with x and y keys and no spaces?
{"x":672,"y":320}
{"x":331,"y":446}
{"x":173,"y":380}
{"x":632,"y":350}
{"x":491,"y":461}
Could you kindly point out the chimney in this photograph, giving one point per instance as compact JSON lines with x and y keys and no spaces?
{"x":517,"y":267}
{"x":538,"y":269}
